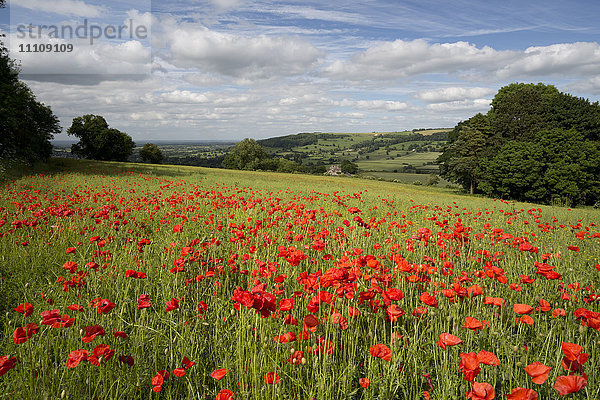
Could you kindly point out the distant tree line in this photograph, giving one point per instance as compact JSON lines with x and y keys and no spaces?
{"x":535,"y":144}
{"x":251,"y":156}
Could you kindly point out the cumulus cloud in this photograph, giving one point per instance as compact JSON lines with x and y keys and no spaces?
{"x":402,"y":59}
{"x":453,"y":94}
{"x":573,"y":59}
{"x":473,"y":106}
{"x":399,"y":59}
{"x":75,"y":8}
{"x":257,"y":57}
{"x":125,"y":58}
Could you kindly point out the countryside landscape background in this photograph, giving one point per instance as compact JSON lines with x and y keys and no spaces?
{"x":431,"y":234}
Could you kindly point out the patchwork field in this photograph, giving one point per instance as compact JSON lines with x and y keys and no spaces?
{"x":137,"y":281}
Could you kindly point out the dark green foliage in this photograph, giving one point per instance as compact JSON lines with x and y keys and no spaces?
{"x":535,"y":144}
{"x":26,"y":125}
{"x":150,"y":153}
{"x":246,"y":155}
{"x":289,"y":141}
{"x":348,"y":167}
{"x":99,"y":142}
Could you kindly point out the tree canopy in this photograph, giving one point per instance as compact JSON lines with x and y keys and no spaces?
{"x":535,"y":144}
{"x":26,"y":125}
{"x":99,"y":142}
{"x":247,"y":155}
{"x":151,"y":153}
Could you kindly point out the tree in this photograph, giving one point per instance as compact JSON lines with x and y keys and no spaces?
{"x":99,"y":142}
{"x":535,"y":144}
{"x":460,"y":159}
{"x":348,"y":167}
{"x":26,"y":125}
{"x":151,"y":153}
{"x":246,"y":155}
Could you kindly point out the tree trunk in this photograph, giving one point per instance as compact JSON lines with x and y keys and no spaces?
{"x":471,"y":190}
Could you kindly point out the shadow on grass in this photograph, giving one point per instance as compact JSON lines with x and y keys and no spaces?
{"x":54,"y":166}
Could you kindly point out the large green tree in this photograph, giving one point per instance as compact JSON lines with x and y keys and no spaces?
{"x":535,"y":144}
{"x":247,"y":155}
{"x":26,"y":125}
{"x":151,"y":153}
{"x":99,"y":142}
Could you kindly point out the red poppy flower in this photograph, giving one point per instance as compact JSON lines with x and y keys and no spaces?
{"x":71,"y":250}
{"x":286,"y":304}
{"x":127,"y":360}
{"x":538,"y":371}
{"x":224,"y":394}
{"x":394,"y":312}
{"x":522,"y":309}
{"x":143,"y":301}
{"x":488,"y":358}
{"x":25,"y":309}
{"x":20,"y":335}
{"x":158,"y":380}
{"x":77,"y":356}
{"x":381,"y":351}
{"x":105,"y":306}
{"x":469,"y":365}
{"x":271,"y":378}
{"x":7,"y":363}
{"x":311,"y":321}
{"x":481,"y":391}
{"x":573,"y":352}
{"x":447,"y":339}
{"x":494,"y":301}
{"x":428,"y":299}
{"x":525,"y":319}
{"x":559,"y":312}
{"x":473,"y":324}
{"x":569,"y":384}
{"x":172,"y":304}
{"x":364,"y":382}
{"x":544,"y":306}
{"x":218,"y":374}
{"x":101,"y":353}
{"x":520,"y":393}
{"x":91,"y":332}
{"x":75,"y":307}
{"x":394,"y":294}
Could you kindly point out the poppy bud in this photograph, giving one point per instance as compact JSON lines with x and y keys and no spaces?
{"x":581,"y":329}
{"x":81,"y":332}
{"x":27,"y":285}
{"x":303,"y":361}
{"x":166,"y":351}
{"x":515,"y":348}
{"x":232,"y":311}
{"x":10,"y":322}
{"x":63,"y":394}
{"x":292,"y":350}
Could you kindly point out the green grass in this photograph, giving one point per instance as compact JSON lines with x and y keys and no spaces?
{"x":217,"y":224}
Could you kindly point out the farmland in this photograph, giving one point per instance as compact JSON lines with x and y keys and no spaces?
{"x":407,"y":156}
{"x":136,"y":281}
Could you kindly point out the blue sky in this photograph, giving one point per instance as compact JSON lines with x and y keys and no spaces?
{"x":229,"y":69}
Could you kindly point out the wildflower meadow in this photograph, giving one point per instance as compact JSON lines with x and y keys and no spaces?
{"x":130,"y":281}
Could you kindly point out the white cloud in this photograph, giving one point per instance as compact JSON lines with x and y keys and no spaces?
{"x":403,"y":59}
{"x":573,"y":59}
{"x":101,"y":58}
{"x":453,"y":94}
{"x":257,"y":57}
{"x":399,"y":59}
{"x":63,"y":7}
{"x":373,"y":105}
{"x":474,"y":106}
{"x":224,"y":5}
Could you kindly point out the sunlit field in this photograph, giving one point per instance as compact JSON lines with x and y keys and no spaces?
{"x":139,"y":281}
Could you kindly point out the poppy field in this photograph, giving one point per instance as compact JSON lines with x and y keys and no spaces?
{"x":171,"y":282}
